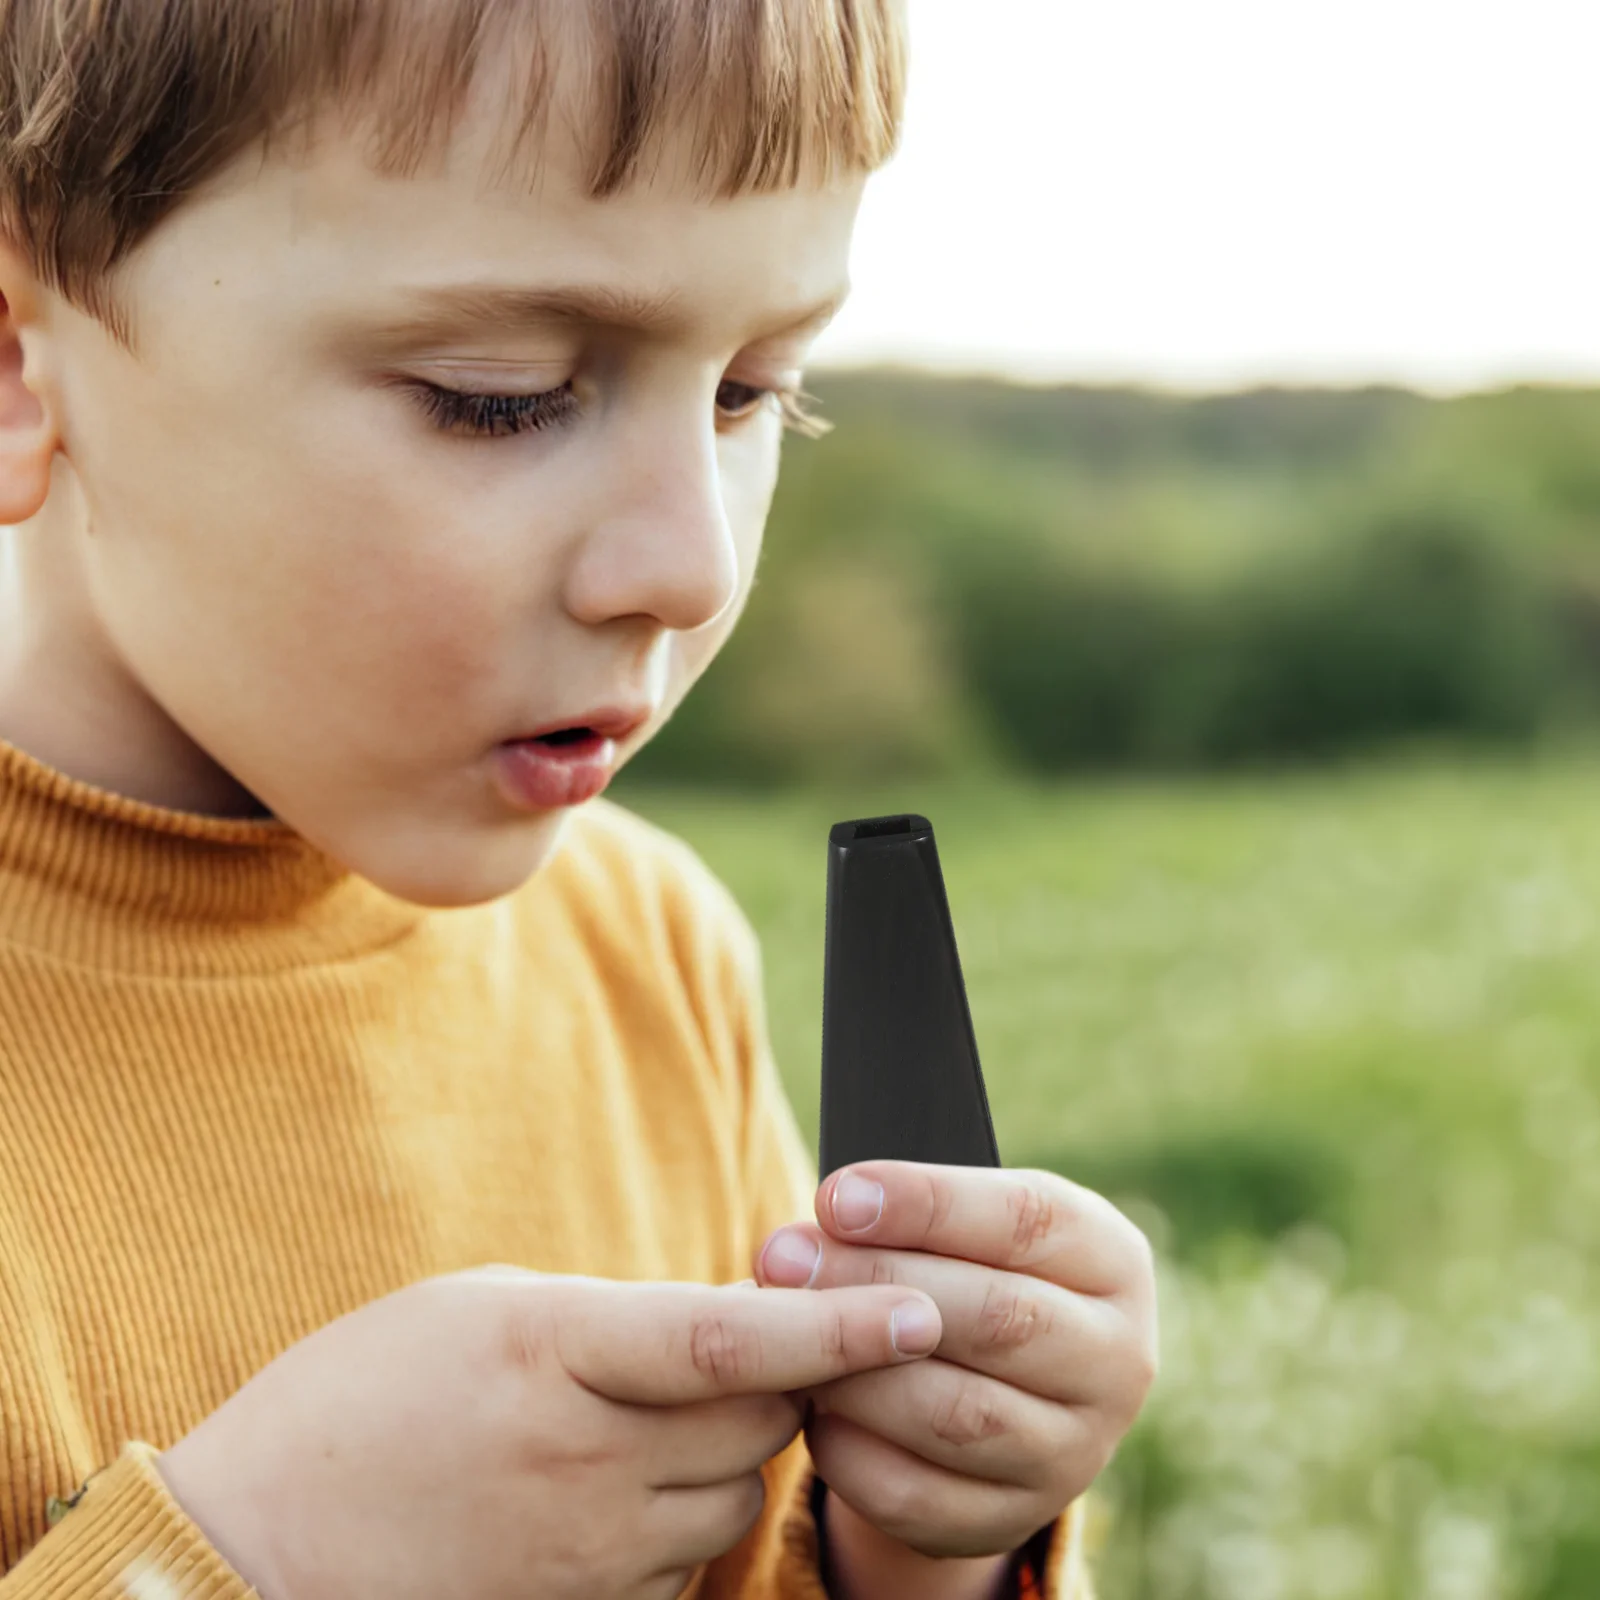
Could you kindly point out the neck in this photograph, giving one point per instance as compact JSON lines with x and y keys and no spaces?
{"x":107,"y":883}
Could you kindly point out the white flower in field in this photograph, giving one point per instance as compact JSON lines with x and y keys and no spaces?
{"x":1246,"y":1566}
{"x":1532,"y":1365}
{"x":1542,"y":914}
{"x":1561,"y":1116}
{"x":1459,"y":1558}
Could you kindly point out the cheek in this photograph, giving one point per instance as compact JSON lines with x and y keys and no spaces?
{"x":314,"y":578}
{"x":405,"y":596}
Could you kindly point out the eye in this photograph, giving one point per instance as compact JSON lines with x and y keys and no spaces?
{"x":491,"y":415}
{"x":737,"y":401}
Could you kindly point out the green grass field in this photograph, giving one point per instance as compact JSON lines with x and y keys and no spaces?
{"x":1334,"y":1040}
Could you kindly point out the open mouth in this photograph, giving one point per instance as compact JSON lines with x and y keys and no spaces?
{"x":563,"y":767}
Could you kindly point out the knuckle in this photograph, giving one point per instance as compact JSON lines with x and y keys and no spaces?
{"x":1146,"y":1364}
{"x":571,"y":1459}
{"x":1130,"y":1377}
{"x":1008,"y":1320}
{"x":883,"y":1269}
{"x":967,"y":1416}
{"x":835,"y":1336}
{"x":1034,"y":1217}
{"x":526,"y":1338}
{"x":722,"y":1349}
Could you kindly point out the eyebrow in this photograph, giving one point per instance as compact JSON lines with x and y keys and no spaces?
{"x":440,"y":311}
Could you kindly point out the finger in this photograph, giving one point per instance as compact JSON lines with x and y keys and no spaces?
{"x":685,"y":1527}
{"x":928,"y":1507}
{"x":1017,"y":1218}
{"x":674,"y":1343}
{"x":971,"y":1424}
{"x":689,"y":1447}
{"x":1065,"y":1347}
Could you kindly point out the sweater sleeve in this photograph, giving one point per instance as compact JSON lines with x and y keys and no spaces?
{"x":784,"y":1557}
{"x":125,"y":1538}
{"x":1054,"y":1564}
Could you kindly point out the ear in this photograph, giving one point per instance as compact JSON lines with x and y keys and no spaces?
{"x":28,"y":436}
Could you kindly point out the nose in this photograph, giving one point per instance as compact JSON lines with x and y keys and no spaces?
{"x":661,"y":544}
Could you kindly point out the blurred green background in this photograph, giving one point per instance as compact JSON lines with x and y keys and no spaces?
{"x":1258,"y":735}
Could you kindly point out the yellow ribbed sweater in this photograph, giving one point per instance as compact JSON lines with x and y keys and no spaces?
{"x":243,"y":1092}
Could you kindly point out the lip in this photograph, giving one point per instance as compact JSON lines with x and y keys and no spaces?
{"x":532,"y":776}
{"x":610,"y":722}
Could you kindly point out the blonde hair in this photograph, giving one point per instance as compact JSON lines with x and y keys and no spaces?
{"x":111,"y":111}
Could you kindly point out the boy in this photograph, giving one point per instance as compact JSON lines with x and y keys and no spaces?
{"x":389,"y":409}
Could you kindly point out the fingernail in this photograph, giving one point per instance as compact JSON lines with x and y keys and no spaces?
{"x":857,"y":1203}
{"x":914,"y":1327}
{"x":791,"y":1258}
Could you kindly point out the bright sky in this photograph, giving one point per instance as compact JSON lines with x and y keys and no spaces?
{"x":1203,"y":193}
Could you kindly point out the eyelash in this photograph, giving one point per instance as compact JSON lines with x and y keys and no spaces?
{"x":498,"y":415}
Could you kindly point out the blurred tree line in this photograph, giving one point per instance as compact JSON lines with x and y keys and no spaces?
{"x":1073,"y":578}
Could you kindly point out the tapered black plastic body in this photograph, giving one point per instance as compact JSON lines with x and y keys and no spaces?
{"x":900,"y":1072}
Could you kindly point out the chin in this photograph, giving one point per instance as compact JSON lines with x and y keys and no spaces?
{"x":470,"y":869}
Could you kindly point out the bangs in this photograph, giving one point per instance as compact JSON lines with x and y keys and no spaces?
{"x":116,"y":110}
{"x":768,"y":94}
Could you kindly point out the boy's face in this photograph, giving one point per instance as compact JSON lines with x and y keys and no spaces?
{"x":263,"y":570}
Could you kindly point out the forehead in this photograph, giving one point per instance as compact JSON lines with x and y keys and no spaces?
{"x":320,"y":233}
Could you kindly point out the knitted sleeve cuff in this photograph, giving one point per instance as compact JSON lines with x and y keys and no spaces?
{"x":125,"y":1538}
{"x":1053,"y":1564}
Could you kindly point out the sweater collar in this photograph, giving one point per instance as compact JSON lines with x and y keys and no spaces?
{"x":101,"y":880}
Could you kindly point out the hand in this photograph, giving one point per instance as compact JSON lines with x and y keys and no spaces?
{"x":507,"y":1434}
{"x":1047,"y":1295}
